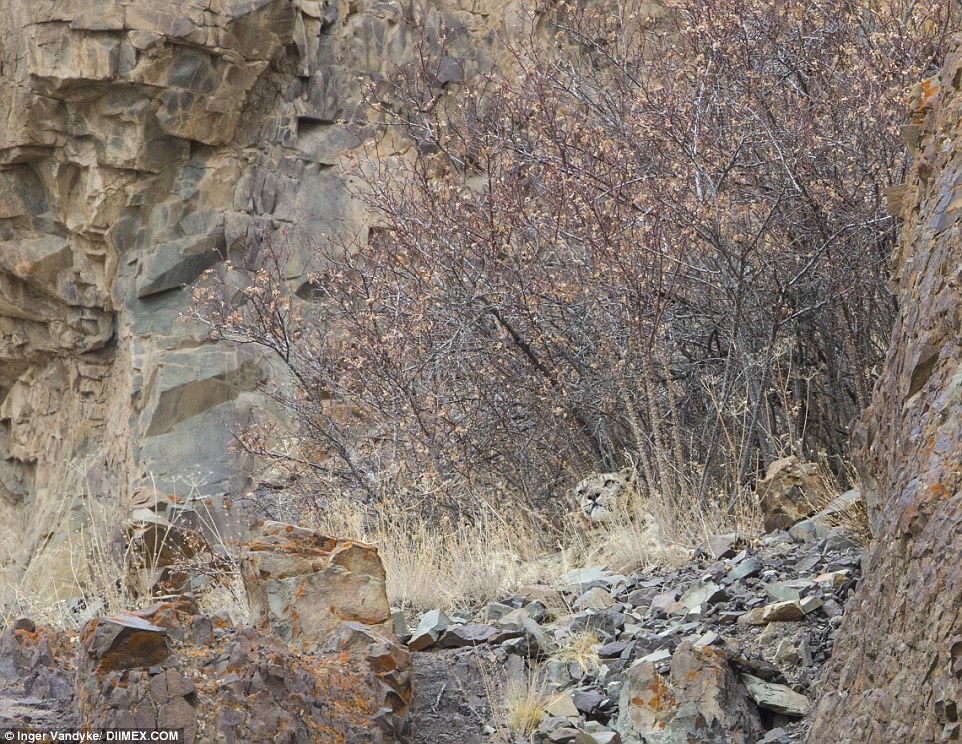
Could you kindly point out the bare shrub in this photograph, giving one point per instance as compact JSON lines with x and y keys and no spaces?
{"x":658,"y":241}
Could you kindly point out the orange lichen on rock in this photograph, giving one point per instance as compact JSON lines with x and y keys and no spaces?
{"x":892,"y":675}
{"x":921,"y":98}
{"x":660,"y":697}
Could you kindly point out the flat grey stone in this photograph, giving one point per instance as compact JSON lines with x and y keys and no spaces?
{"x":718,"y":546}
{"x":662,"y":654}
{"x":777,"y":698}
{"x":430,"y":627}
{"x":579,"y":577}
{"x":808,"y":531}
{"x":749,"y":567}
{"x":458,"y":636}
{"x":702,"y":593}
{"x":495,"y":611}
{"x":598,"y":737}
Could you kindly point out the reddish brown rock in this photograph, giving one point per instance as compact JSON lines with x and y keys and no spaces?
{"x":323,"y":667}
{"x":700,"y":701}
{"x":169,"y":667}
{"x":787,"y":493}
{"x":302,"y":585}
{"x":127,"y":675}
{"x":326,"y":595}
{"x":121,"y":642}
{"x":896,"y":671}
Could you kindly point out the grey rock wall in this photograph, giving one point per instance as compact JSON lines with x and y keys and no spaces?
{"x":141,"y":141}
{"x":896,"y":674}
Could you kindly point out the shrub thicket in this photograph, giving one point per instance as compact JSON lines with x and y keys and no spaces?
{"x":657,"y":240}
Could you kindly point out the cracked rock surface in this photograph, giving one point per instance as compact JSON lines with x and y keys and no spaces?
{"x":140,"y":144}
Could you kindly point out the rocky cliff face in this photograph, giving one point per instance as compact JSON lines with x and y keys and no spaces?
{"x":139,"y":143}
{"x":898,"y":663}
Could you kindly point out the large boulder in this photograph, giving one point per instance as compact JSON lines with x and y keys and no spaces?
{"x":303,"y":585}
{"x":701,"y":700}
{"x":170,"y":667}
{"x":787,"y":493}
{"x":327,"y":595}
{"x":896,"y":674}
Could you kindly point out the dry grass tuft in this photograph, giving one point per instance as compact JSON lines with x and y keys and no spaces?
{"x":849,"y":515}
{"x":580,"y":648}
{"x":525,"y":704}
{"x":430,"y":562}
{"x":625,"y":546}
{"x":226,"y":594}
{"x":656,"y":529}
{"x":107,"y":573}
{"x":94,"y":582}
{"x":854,"y":521}
{"x":455,"y":565}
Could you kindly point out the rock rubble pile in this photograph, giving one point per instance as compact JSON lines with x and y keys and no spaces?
{"x":728,"y":649}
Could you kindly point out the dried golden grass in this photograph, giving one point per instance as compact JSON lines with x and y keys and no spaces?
{"x":525,"y":704}
{"x":102,"y":573}
{"x":580,"y":648}
{"x":226,"y":594}
{"x":491,"y":552}
{"x":850,"y":517}
{"x":447,"y":565}
{"x":85,"y":564}
{"x":854,"y":521}
{"x":451,"y":565}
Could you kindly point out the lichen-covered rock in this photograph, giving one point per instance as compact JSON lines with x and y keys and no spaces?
{"x":327,"y":595}
{"x":303,"y":585}
{"x":897,"y":671}
{"x":701,"y":700}
{"x":121,"y":642}
{"x":787,"y":493}
{"x":36,"y":676}
{"x":170,"y":667}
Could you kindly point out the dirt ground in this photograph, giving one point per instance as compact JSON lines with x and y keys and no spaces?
{"x":452,"y":699}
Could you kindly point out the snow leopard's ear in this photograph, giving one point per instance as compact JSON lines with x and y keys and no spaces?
{"x":628,"y":473}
